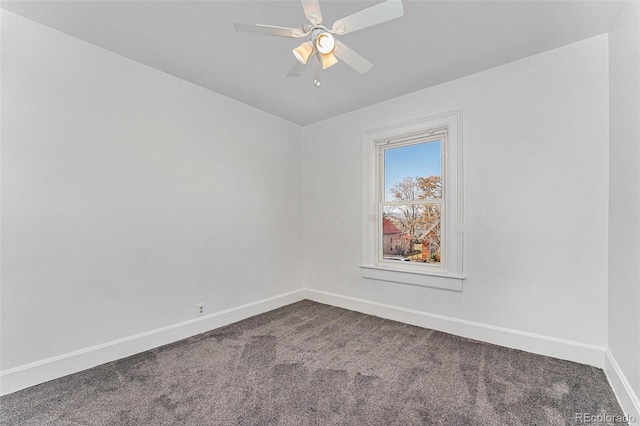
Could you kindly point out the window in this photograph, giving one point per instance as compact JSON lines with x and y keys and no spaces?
{"x":412,"y":203}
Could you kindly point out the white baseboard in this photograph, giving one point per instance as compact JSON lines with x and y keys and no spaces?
{"x":543,"y":345}
{"x":626,"y":396}
{"x":42,"y":371}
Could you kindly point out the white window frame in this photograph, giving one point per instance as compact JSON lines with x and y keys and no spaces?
{"x":449,"y":273}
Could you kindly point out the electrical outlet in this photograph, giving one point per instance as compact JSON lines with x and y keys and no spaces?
{"x":200,"y":308}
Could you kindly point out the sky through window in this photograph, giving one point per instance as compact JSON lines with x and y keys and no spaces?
{"x":422,"y":159}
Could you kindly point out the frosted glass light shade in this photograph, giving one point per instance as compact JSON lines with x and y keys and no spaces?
{"x":325,"y":43}
{"x":303,"y":52}
{"x":328,"y":60}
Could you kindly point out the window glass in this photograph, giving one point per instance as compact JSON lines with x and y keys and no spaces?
{"x":410,"y":224}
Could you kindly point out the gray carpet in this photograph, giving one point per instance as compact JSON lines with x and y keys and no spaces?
{"x":313,"y":364}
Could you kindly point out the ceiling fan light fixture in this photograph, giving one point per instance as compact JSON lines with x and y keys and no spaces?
{"x":303,"y":52}
{"x":320,"y":42}
{"x":325,"y":43}
{"x":328,"y":59}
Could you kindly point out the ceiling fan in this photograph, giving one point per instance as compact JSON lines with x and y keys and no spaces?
{"x":321,"y":46}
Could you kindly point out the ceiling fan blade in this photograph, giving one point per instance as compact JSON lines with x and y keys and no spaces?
{"x":296,"y":69}
{"x":382,"y":12}
{"x":312,"y":11}
{"x":351,"y":58}
{"x":269,"y":30}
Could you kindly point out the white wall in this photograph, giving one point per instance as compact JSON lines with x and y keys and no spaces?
{"x":536,"y":189}
{"x":130,"y":196}
{"x":624,"y":198}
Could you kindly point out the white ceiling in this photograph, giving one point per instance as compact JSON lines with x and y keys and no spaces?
{"x":434,"y":42}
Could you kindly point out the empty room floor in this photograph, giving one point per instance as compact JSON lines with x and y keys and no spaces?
{"x":314,"y":364}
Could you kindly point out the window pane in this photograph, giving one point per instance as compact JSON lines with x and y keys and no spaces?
{"x":411,"y":233}
{"x":413,"y":172}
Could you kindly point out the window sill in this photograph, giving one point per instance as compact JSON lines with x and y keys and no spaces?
{"x":415,"y":278}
